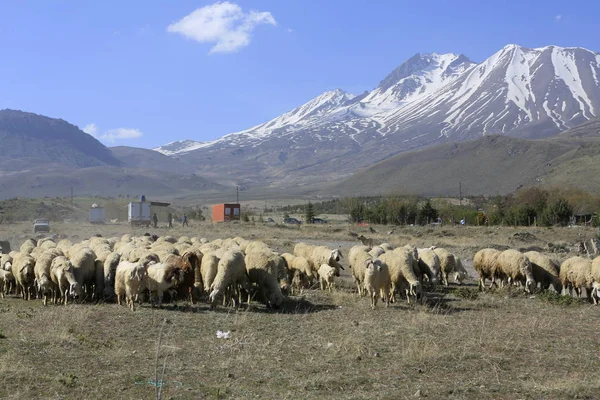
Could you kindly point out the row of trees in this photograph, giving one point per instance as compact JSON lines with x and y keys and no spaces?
{"x":532,"y":206}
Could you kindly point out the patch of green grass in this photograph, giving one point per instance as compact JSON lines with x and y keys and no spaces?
{"x":466,"y":293}
{"x":556,"y":298}
{"x":68,"y":380}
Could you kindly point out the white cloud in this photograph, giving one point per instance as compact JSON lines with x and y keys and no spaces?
{"x":120,"y":133}
{"x":558,"y":17}
{"x":224,"y":24}
{"x":90,"y":129}
{"x":290,"y":30}
{"x":112,"y":134}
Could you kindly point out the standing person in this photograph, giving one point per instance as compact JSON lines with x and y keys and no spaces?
{"x":170,"y":219}
{"x":185,"y":222}
{"x":155,"y":220}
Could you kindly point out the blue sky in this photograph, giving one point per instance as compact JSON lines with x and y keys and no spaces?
{"x":118,"y":65}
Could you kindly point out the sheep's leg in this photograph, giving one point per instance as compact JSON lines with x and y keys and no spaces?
{"x":119,"y":299}
{"x":393,"y":293}
{"x":482,"y":284}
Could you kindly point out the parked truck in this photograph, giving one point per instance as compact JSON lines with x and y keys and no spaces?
{"x":139,"y":213}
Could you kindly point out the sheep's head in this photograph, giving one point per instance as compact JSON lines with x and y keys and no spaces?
{"x":276,"y":298}
{"x":335,"y":255}
{"x":75,"y":289}
{"x":558,"y":287}
{"x":43,"y":284}
{"x":460,"y":276}
{"x":8,"y":266}
{"x":530,"y":285}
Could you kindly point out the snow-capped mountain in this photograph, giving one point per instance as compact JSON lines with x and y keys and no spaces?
{"x":430,"y":98}
{"x":178,"y":147}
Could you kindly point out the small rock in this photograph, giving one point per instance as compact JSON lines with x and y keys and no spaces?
{"x":355,"y":323}
{"x":417,"y":393}
{"x":376,"y":354}
{"x":358,"y":358}
{"x":230,"y":375}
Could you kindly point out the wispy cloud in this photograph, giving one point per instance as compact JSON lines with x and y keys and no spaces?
{"x":221,"y":23}
{"x":558,"y":18}
{"x":90,"y":129}
{"x":112,"y":134}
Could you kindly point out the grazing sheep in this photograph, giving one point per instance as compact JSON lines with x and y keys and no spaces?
{"x":45,"y":286}
{"x":4,"y":260}
{"x":317,"y":255}
{"x":130,"y":281}
{"x":377,"y":281}
{"x":263,"y":270}
{"x":28,"y":246}
{"x":109,"y":270}
{"x":61,"y":273}
{"x":429,"y":264}
{"x":6,"y":280}
{"x":376,"y":251}
{"x":447,"y":263}
{"x":23,"y":269}
{"x":84,"y":268}
{"x":596,"y":276}
{"x":485,"y":262}
{"x":575,"y":274}
{"x":326,"y":276}
{"x":208,"y":269}
{"x":231,"y":273}
{"x":256,"y":245}
{"x":162,"y":277}
{"x":517,"y":268}
{"x":401,"y":268}
{"x":357,"y":257}
{"x":545,"y":270}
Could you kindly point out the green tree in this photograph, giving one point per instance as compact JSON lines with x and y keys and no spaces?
{"x":427,"y":213}
{"x":558,"y":212}
{"x":310,"y":213}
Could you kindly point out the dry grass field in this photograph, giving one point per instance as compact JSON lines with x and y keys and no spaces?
{"x":457,"y":344}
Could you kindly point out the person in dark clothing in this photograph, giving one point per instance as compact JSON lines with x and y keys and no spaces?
{"x":155,"y":220}
{"x":170,"y":218}
{"x":185,"y":221}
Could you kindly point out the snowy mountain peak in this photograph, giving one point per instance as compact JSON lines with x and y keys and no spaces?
{"x":179,"y":147}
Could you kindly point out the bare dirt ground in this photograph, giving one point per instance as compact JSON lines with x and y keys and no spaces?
{"x":458,"y":344}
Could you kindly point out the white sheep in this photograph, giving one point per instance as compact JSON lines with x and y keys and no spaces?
{"x":401,"y":267}
{"x":596,"y":276}
{"x":575,"y":274}
{"x":6,"y":280}
{"x":517,"y":268}
{"x":375,"y":251}
{"x":231,"y":273}
{"x":84,"y":268}
{"x":377,"y":281}
{"x":447,"y":263}
{"x":130,"y":281}
{"x":326,"y":276}
{"x":45,"y":285}
{"x":208,"y":269}
{"x":357,"y":257}
{"x":61,"y":273}
{"x":23,"y":269}
{"x":109,"y":271}
{"x":545,"y":270}
{"x":429,"y":264}
{"x":485,"y":263}
{"x":263,"y":270}
{"x":162,"y":277}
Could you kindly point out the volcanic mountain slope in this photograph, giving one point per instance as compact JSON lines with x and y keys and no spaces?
{"x":44,"y":139}
{"x":430,"y":99}
{"x":489,"y":165}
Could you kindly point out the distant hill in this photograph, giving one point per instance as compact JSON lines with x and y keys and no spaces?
{"x":28,"y":135}
{"x":490,"y":165}
{"x":134,"y":157}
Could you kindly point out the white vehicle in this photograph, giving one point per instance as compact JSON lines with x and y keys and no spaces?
{"x":139,"y":213}
{"x":41,"y":225}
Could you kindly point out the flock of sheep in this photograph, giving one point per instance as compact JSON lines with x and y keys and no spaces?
{"x":133,"y":269}
{"x":532,"y":268}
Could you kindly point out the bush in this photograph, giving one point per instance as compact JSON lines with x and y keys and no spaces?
{"x":558,"y":213}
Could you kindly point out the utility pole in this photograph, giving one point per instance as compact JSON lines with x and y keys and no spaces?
{"x":237,"y":194}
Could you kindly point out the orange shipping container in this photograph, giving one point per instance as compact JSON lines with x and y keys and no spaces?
{"x":225,"y":212}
